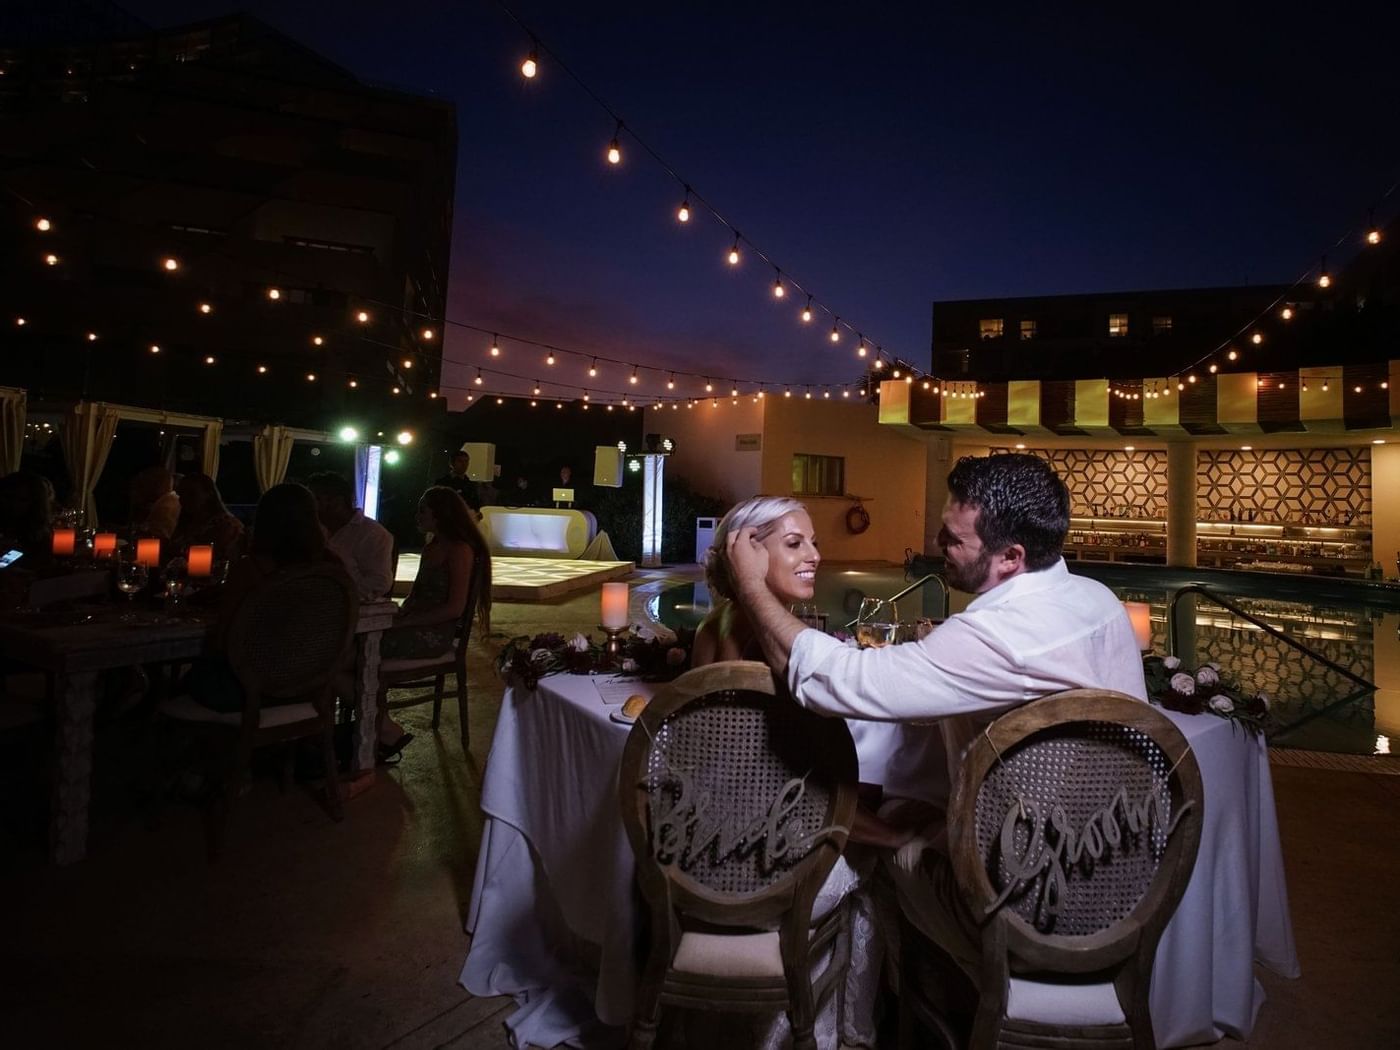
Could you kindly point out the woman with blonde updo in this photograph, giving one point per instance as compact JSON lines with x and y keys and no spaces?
{"x":785,"y":528}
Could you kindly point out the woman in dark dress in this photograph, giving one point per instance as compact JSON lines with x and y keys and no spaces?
{"x":454,"y":565}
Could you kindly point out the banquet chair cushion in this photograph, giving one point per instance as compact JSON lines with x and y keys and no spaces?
{"x":1063,"y":1004}
{"x":187,"y":709}
{"x":419,"y":663}
{"x":729,"y":955}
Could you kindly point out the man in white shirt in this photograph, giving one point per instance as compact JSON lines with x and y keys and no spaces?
{"x":1033,"y":629}
{"x":365,"y":546}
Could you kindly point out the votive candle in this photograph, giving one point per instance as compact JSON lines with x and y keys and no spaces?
{"x":104,"y":545}
{"x":201,"y":561}
{"x":63,"y":540}
{"x":615,"y":605}
{"x":1140,"y":616}
{"x":148,"y":552}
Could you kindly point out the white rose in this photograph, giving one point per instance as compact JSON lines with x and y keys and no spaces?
{"x":629,"y":666}
{"x":1207,"y":677}
{"x":1183,"y":684}
{"x":539,"y":656}
{"x":646,"y":634}
{"x":1264,"y":699}
{"x":1212,"y":665}
{"x":1171,"y":663}
{"x":1222,"y":704}
{"x":579,"y":643}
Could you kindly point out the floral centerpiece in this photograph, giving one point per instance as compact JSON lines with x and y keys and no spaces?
{"x":1204,"y":690}
{"x":646,"y":654}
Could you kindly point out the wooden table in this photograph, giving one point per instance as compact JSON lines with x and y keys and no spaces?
{"x":74,"y":647}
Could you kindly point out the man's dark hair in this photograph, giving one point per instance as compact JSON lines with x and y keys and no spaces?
{"x":329,"y":483}
{"x":1019,"y":499}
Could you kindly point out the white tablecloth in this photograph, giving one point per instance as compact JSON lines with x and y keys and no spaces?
{"x":554,"y":918}
{"x":1235,"y":910}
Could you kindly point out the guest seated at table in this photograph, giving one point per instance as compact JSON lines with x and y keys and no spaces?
{"x":26,"y":514}
{"x":286,"y":535}
{"x":455,"y":565}
{"x":365,"y":546}
{"x":155,"y":508}
{"x":1033,"y":629}
{"x":204,"y":520}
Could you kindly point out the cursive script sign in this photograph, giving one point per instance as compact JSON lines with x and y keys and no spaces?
{"x":1053,"y":847}
{"x":686,"y":824}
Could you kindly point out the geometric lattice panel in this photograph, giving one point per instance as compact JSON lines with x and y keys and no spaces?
{"x":1107,"y":483}
{"x":1318,"y":486}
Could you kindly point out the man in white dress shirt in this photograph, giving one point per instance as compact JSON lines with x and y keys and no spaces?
{"x":1033,"y":629}
{"x":365,"y":546}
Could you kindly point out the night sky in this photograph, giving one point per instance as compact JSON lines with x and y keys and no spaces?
{"x":885,"y":157}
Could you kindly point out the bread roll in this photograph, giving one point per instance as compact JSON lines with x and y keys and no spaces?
{"x":634,"y":705}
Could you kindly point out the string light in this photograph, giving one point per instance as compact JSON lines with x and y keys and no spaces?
{"x":835,"y":330}
{"x":21,"y":321}
{"x":1214,"y":369}
{"x":262,"y":371}
{"x":429,"y":335}
{"x":209,"y":359}
{"x":362,"y":316}
{"x":311,"y":377}
{"x":479,"y":379}
{"x":495,"y":347}
{"x":355,"y":383}
{"x":274,"y":294}
{"x":1257,"y":338}
{"x":549,"y":358}
{"x":1373,"y":235}
{"x":734,"y":251}
{"x":1286,"y":313}
{"x":316,"y":340}
{"x":671,"y":383}
{"x":92,"y":337}
{"x":1324,"y":279}
{"x":709,"y":387}
{"x":408,"y":362}
{"x":51,"y":259}
{"x":1233,"y":355}
{"x":530,"y":66}
{"x":43,"y":225}
{"x":683,"y":212}
{"x":206,"y":308}
{"x":155,"y":349}
{"x":593,"y":369}
{"x":807,"y":311}
{"x":171,"y":263}
{"x":778,"y":291}
{"x":633,"y":377}
{"x":614,"y":147}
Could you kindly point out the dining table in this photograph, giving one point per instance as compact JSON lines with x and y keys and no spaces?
{"x":74,"y":646}
{"x":555,"y":920}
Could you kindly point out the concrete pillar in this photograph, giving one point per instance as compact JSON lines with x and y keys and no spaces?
{"x":937,"y":463}
{"x":1181,"y":504}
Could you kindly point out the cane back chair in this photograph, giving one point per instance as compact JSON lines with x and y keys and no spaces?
{"x":1074,"y":827}
{"x":288,"y":637}
{"x":737,"y":804}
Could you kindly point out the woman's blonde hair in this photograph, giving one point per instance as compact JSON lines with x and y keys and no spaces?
{"x":761,"y":513}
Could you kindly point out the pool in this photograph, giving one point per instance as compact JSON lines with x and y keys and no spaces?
{"x":1354,"y":626}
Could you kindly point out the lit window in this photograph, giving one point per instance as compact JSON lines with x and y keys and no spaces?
{"x":1117,"y":324}
{"x":818,"y":475}
{"x":1162,"y":325}
{"x":1027,"y":329}
{"x":990,"y":327}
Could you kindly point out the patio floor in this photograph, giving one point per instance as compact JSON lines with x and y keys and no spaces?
{"x":310,"y":934}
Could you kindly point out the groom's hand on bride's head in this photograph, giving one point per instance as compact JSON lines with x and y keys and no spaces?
{"x":748,"y":561}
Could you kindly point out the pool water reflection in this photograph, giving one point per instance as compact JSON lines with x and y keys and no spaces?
{"x":1363,"y":639}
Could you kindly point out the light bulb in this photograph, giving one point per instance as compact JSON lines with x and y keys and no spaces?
{"x":787,"y":393}
{"x":549,"y":358}
{"x":362,"y":316}
{"x":1191,"y":379}
{"x":205,"y":308}
{"x":311,"y":377}
{"x":709,"y":387}
{"x":807,"y":310}
{"x":778,"y":291}
{"x":262,"y":371}
{"x":395,"y":390}
{"x":879,"y":363}
{"x":209,"y":359}
{"x":1286,"y":313}
{"x":671,"y":383}
{"x":405,"y":437}
{"x":51,"y":259}
{"x":316,"y":340}
{"x":1232,"y":355}
{"x":21,"y":321}
{"x":1324,"y":281}
{"x":92,"y":337}
{"x":1373,"y":236}
{"x":428,"y":335}
{"x":274,"y":294}
{"x":836,"y":332}
{"x":1356,"y":389}
{"x":408,"y":362}
{"x":495,"y":347}
{"x":171,"y":264}
{"x":1324,"y":386}
{"x":530,"y":66}
{"x":734,"y":253}
{"x":354,"y":383}
{"x":633,"y":377}
{"x":1214,"y":369}
{"x":683,"y":212}
{"x":1256,"y":338}
{"x":479,"y":379}
{"x":593,"y":369}
{"x":615,"y":150}
{"x":43,"y":225}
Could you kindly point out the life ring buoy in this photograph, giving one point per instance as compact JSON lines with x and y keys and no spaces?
{"x":857,"y":519}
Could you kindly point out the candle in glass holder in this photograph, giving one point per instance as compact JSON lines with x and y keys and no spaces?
{"x":201,"y":561}
{"x":148,"y":553}
{"x":1139,"y":615}
{"x":63,"y":540}
{"x":615,"y":605}
{"x":104,"y":545}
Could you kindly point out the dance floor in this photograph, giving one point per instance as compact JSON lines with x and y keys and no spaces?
{"x":531,"y":579}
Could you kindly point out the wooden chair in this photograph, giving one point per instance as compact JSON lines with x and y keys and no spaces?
{"x":1070,"y":926}
{"x":720,"y":754}
{"x":407,"y":674}
{"x":289,"y":637}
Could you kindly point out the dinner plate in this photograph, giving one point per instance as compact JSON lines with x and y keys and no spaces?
{"x":620,"y":718}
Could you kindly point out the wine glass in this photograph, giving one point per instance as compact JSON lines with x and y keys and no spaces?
{"x":877,"y":624}
{"x":131,"y":579}
{"x":808,"y":613}
{"x":176,"y":571}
